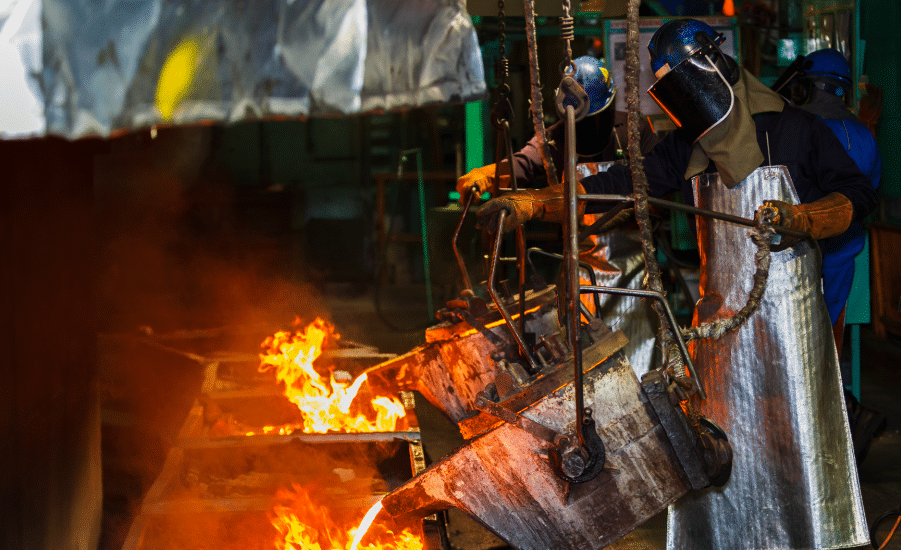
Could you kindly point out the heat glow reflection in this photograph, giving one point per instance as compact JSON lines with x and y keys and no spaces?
{"x":325,"y":402}
{"x":303,"y":525}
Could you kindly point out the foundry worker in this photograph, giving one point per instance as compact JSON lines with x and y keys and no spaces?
{"x":822,"y":87}
{"x":615,"y":256}
{"x":773,"y":384}
{"x":600,"y":136}
{"x":824,"y":84}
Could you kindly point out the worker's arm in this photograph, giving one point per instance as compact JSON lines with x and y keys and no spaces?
{"x":527,"y":162}
{"x":664,"y":167}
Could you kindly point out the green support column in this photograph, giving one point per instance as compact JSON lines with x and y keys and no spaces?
{"x":883,"y":67}
{"x":474,"y":125}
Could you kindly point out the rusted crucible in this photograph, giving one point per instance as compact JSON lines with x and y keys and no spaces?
{"x":504,"y":479}
{"x":458,"y":361}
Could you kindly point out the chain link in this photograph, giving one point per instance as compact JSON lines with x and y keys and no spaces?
{"x":503,"y":67}
{"x":567,"y":33}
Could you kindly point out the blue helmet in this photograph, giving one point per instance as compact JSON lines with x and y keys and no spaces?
{"x":678,"y":39}
{"x":696,"y":90}
{"x":829,"y":64}
{"x":597,"y":83}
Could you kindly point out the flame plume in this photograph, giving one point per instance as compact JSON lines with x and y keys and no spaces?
{"x":302,"y":525}
{"x":324,"y":402}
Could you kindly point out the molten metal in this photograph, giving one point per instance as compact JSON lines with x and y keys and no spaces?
{"x":326,"y":403}
{"x":304,"y":525}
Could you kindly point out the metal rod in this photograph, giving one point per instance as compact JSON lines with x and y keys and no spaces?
{"x":520,"y":233}
{"x":571,"y":266}
{"x":536,"y":109}
{"x":469,"y":199}
{"x":722,"y":216}
{"x":427,"y":268}
{"x":660,"y":297}
{"x":492,"y":274}
{"x":592,"y":276}
{"x":598,"y":223}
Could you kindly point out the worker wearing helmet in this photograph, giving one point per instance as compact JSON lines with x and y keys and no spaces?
{"x":615,"y":257}
{"x":600,"y":136}
{"x":773,"y":384}
{"x":826,"y":83}
{"x":823,"y":84}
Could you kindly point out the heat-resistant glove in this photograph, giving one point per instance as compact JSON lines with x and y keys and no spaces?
{"x":827,"y":217}
{"x":484,"y":179}
{"x":531,"y":204}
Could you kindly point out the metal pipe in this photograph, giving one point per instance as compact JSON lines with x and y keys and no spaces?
{"x":469,"y":199}
{"x":535,"y":88}
{"x":598,"y":223}
{"x":492,"y":274}
{"x":520,"y":233}
{"x":592,"y":276}
{"x":660,"y":297}
{"x":571,"y":267}
{"x":722,"y":216}
{"x":427,"y":266}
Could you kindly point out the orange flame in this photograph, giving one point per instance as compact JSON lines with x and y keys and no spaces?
{"x":325,"y":403}
{"x":302,"y":525}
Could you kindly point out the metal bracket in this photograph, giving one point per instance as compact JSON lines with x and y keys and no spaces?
{"x":538,"y":430}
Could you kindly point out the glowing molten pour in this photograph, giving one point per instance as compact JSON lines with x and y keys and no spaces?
{"x":325,"y":402}
{"x":302,"y":525}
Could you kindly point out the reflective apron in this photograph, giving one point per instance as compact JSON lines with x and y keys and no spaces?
{"x":617,"y":260}
{"x":774,"y":386}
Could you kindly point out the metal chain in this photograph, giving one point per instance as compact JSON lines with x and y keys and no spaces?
{"x":567,"y":33}
{"x":503,"y":66}
{"x":762,"y":235}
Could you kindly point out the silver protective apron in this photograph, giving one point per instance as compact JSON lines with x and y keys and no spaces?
{"x":617,"y":260}
{"x":774,"y":386}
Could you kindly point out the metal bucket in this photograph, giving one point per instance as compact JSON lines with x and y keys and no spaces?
{"x":504,"y":478}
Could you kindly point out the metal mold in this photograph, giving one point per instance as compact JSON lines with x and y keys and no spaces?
{"x":503,"y":476}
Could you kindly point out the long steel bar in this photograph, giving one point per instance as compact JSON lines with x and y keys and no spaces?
{"x":520,"y":233}
{"x":661,"y":298}
{"x":469,"y":199}
{"x":492,"y":275}
{"x":592,"y":276}
{"x":693,"y":210}
{"x":571,"y":266}
{"x":536,"y":109}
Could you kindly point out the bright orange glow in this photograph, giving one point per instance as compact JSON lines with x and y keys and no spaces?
{"x":365,"y":524}
{"x":304,"y":525}
{"x":325,"y":402}
{"x":499,"y":322}
{"x":729,"y":8}
{"x":665,"y":110}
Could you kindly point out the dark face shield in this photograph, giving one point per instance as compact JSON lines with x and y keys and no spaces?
{"x":694,"y":95}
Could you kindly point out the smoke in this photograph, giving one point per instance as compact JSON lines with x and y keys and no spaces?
{"x":184,"y":244}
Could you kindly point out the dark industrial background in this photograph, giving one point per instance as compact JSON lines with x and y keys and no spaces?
{"x":252,"y":223}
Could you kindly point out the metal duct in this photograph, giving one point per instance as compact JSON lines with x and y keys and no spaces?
{"x":81,"y":67}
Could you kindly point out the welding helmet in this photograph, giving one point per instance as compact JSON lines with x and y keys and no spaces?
{"x":829,"y":70}
{"x":695,"y":78}
{"x":593,"y":132}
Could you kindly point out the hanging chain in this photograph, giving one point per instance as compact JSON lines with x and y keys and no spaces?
{"x":503,"y":67}
{"x":567,"y":33}
{"x":503,"y":110}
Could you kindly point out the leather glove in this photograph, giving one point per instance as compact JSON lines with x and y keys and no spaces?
{"x":827,"y":217}
{"x":531,"y":204}
{"x":484,"y":178}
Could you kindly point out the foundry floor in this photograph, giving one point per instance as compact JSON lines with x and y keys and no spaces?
{"x":880,"y":472}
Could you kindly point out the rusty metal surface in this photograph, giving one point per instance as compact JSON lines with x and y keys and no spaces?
{"x":545,"y":384}
{"x":503,"y":478}
{"x":218,"y":491}
{"x":677,"y":429}
{"x":458,"y":362}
